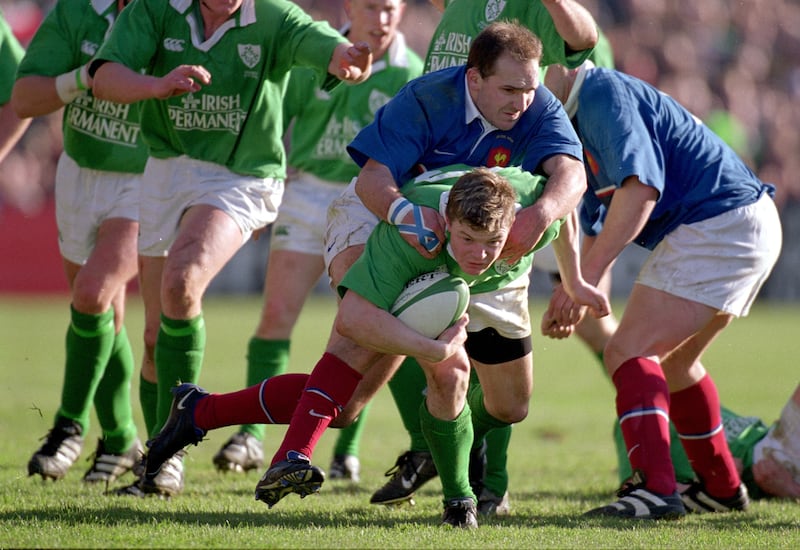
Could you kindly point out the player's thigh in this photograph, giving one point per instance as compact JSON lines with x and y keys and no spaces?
{"x":290,"y":278}
{"x":111,"y":264}
{"x":114,"y":253}
{"x":653,"y":324}
{"x":206,"y":240}
{"x":340,"y":263}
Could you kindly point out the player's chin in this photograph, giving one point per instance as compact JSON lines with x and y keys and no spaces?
{"x":507,"y":121}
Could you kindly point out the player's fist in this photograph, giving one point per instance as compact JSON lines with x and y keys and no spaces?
{"x":352,"y":63}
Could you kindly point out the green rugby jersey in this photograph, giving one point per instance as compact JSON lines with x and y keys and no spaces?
{"x":236,"y":121}
{"x":463,"y":20}
{"x":11,"y":53}
{"x":389,"y":262}
{"x":98,"y":134}
{"x":326,"y":122}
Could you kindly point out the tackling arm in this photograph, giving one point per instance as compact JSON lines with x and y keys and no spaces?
{"x":378,"y":191}
{"x":562,"y":193}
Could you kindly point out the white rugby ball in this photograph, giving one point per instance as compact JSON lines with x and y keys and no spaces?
{"x":432,"y":302}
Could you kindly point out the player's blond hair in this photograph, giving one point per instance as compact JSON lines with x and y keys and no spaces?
{"x":482,"y":199}
{"x":501,"y":37}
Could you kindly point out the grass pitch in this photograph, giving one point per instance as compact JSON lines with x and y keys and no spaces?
{"x":561,"y":458}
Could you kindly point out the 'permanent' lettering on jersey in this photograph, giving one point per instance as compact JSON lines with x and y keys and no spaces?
{"x":103,"y":120}
{"x":208,"y":112}
{"x":338,"y":135}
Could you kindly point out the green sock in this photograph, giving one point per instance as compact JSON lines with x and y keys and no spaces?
{"x":450,"y":442}
{"x":265,"y":359}
{"x":148,"y":399}
{"x":349,"y":438}
{"x":482,"y":421}
{"x":498,"y":436}
{"x":408,"y":387}
{"x":496,"y":477}
{"x":112,"y":400}
{"x":179,"y":358}
{"x":89,"y":341}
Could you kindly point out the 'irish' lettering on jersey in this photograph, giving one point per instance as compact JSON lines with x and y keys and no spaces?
{"x":208,"y":112}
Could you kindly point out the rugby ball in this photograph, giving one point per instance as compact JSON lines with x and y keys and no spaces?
{"x":432,"y":302}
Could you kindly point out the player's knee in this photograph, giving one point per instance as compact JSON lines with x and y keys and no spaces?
{"x":509,"y":411}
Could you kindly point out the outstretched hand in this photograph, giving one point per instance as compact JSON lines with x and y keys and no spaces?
{"x":181,"y":80}
{"x":353,"y":63}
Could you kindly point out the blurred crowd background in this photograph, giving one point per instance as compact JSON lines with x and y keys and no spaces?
{"x":734,"y":63}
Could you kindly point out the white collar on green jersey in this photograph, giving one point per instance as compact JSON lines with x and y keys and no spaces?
{"x":101,"y":6}
{"x":571,"y":105}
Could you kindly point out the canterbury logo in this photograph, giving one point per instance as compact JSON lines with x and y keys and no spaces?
{"x":89,"y":48}
{"x":174,"y":44}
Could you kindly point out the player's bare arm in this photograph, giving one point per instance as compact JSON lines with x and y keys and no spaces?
{"x":378,"y":191}
{"x":562,"y":193}
{"x":35,"y":95}
{"x":11,"y":129}
{"x":628,"y":213}
{"x":574,"y":23}
{"x":116,"y":82}
{"x":351,"y":63}
{"x":366,"y":324}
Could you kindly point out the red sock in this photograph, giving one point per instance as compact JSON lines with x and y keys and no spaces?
{"x":330,"y":386}
{"x":698,"y":420}
{"x":271,"y":402}
{"x":643,"y":410}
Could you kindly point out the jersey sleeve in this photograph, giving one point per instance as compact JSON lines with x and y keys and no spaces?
{"x":554,"y":48}
{"x":397,"y":137}
{"x":136,"y":35}
{"x":11,"y":53}
{"x":312,"y":43}
{"x":52,"y":51}
{"x":616,"y":136}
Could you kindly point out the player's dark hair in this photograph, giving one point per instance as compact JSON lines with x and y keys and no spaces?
{"x":483,"y":199}
{"x":503,"y":37}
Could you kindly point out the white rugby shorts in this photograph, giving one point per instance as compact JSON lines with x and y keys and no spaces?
{"x":721,"y":262}
{"x":171,"y":186}
{"x":349,"y":223}
{"x":505,"y":309}
{"x":301,"y":222}
{"x":85,"y":198}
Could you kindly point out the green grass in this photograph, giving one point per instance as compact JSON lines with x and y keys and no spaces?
{"x":561,"y":460}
